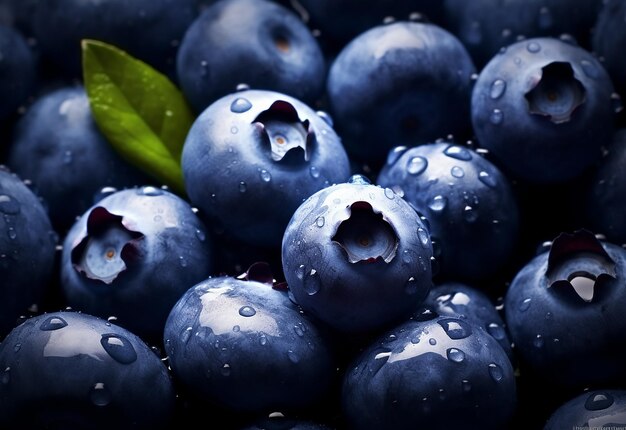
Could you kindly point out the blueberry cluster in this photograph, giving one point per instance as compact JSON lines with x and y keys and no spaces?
{"x":312,"y":214}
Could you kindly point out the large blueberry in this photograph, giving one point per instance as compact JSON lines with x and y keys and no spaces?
{"x":27,"y":249}
{"x":243,"y":346}
{"x":58,"y":147}
{"x":437,"y":374}
{"x":17,"y":71}
{"x":71,"y":370}
{"x":148,"y":29}
{"x":486,"y":26}
{"x":469,"y":204}
{"x":402,"y":83}
{"x":594,"y":409}
{"x":253,"y":156}
{"x":132,"y":255}
{"x":564,"y":311}
{"x":543,"y":108}
{"x":604,"y":205}
{"x":473,"y":305}
{"x":259,"y":43}
{"x":357,"y":257}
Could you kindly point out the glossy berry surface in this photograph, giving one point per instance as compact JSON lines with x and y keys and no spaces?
{"x":217,"y":53}
{"x":253,"y":156}
{"x":543,"y":108}
{"x":564,"y":312}
{"x":27,"y":249}
{"x":592,"y":409}
{"x":465,"y":199}
{"x":17,"y":71}
{"x":138,"y":248}
{"x":399,"y":84}
{"x":472,"y":305}
{"x":442,"y":373}
{"x":357,"y":257}
{"x":608,"y":36}
{"x":58,"y":147}
{"x":243,"y":346}
{"x":74,"y":370}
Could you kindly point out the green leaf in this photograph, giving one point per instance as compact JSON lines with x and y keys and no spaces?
{"x":139,"y":110}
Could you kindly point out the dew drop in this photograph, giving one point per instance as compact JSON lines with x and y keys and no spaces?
{"x":8,"y":205}
{"x":487,"y":179}
{"x":545,"y":18}
{"x":455,"y":328}
{"x":423,"y":236}
{"x":149,"y":191}
{"x":17,"y":347}
{"x":466,"y":386}
{"x":496,"y":117}
{"x":226,"y":369}
{"x":455,"y":355}
{"x":200,"y":235}
{"x":598,"y":401}
{"x":496,"y":331}
{"x":416,"y":165}
{"x":236,"y":328}
{"x":457,"y":172}
{"x":395,"y":154}
{"x":100,"y":395}
{"x":326,"y":117}
{"x":312,"y":283}
{"x":234,"y":130}
{"x":320,"y":221}
{"x":240,"y":105}
{"x":538,"y":341}
{"x":315,"y":172}
{"x":11,"y":233}
{"x":496,"y":372}
{"x":523,"y":307}
{"x":301,"y":271}
{"x":293,"y":357}
{"x":432,"y":341}
{"x":6,"y":376}
{"x":186,"y":334}
{"x":247,"y":311}
{"x":243,"y":187}
{"x":182,"y":261}
{"x":410,"y":287}
{"x":458,"y":152}
{"x":533,"y":47}
{"x":438,"y":203}
{"x":265,"y":175}
{"x":262,"y":339}
{"x":470,"y":214}
{"x":53,"y":323}
{"x":119,"y":348}
{"x":389,"y":193}
{"x":498,"y":87}
{"x":298,"y":330}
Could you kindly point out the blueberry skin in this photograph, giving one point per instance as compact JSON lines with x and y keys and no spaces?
{"x":342,"y":20}
{"x":17,"y":71}
{"x":466,"y":200}
{"x":592,"y":409}
{"x":59,"y":148}
{"x":472,"y":305}
{"x":74,"y":370}
{"x":253,"y":156}
{"x":564,"y":312}
{"x":441,"y":373}
{"x":259,"y":43}
{"x":604,"y":204}
{"x":543,"y":108}
{"x":27,"y":249}
{"x":486,"y":26}
{"x":150,"y":30}
{"x":609,"y":37}
{"x":138,"y":248}
{"x":402,"y":83}
{"x":357,"y":257}
{"x":245,"y":347}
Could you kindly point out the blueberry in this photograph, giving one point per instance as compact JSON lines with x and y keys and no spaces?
{"x":253,"y":156}
{"x":472,"y":305}
{"x":27,"y":249}
{"x":543,"y":108}
{"x":132,"y":255}
{"x":58,"y":146}
{"x":73,"y":370}
{"x":243,"y":346}
{"x":593,"y":409}
{"x":17,"y":71}
{"x":608,"y":37}
{"x":402,"y":83}
{"x":440,"y":373}
{"x":148,"y":29}
{"x":564,"y":313}
{"x":486,"y":26}
{"x":259,"y":43}
{"x":468,"y":202}
{"x":357,"y":257}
